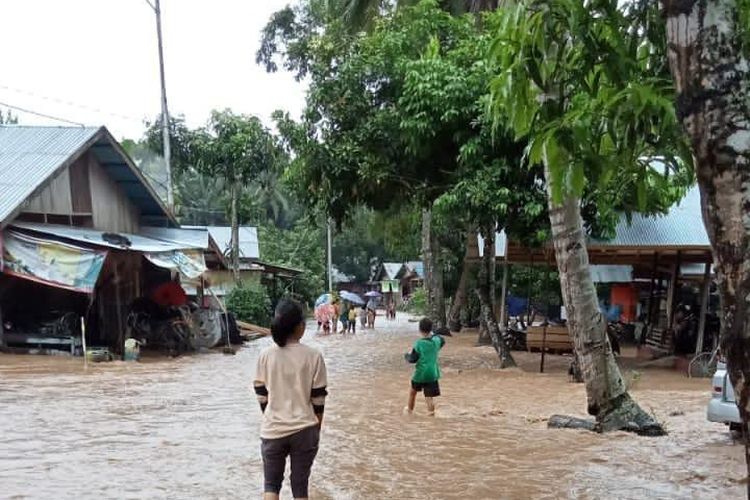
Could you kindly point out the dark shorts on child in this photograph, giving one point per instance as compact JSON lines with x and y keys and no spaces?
{"x":301,"y":447}
{"x":431,"y":389}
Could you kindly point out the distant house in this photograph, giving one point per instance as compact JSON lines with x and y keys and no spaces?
{"x":413,"y":278}
{"x":82,"y":234}
{"x":252,"y":268}
{"x":386,"y":279}
{"x":343,"y":281}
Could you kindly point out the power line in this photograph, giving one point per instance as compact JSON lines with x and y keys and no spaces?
{"x":152,"y":179}
{"x":43,"y":115}
{"x":70,"y":103}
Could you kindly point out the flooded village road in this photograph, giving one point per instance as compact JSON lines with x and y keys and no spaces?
{"x":188,"y":428}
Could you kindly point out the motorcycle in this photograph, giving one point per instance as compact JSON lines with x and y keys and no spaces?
{"x":168,"y":329}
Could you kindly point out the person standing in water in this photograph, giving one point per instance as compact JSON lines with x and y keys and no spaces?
{"x":344,"y":317}
{"x":363,"y":317}
{"x":371,"y":312}
{"x":290,"y":383}
{"x":353,"y":319}
{"x":424,"y":355}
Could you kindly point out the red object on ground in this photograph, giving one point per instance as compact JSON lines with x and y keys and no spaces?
{"x":169,"y":294}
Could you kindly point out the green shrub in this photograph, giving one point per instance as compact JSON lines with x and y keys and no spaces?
{"x":417,"y":302}
{"x":250,"y":302}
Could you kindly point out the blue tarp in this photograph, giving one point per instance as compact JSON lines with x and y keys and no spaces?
{"x":516,"y":305}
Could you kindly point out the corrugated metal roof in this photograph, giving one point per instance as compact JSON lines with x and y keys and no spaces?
{"x":392,"y":270}
{"x":93,"y":237}
{"x":29,"y":156}
{"x":694,"y":269}
{"x":611,"y":274}
{"x":222,"y":235}
{"x":682,"y":226}
{"x":417,"y":267}
{"x":192,"y":238}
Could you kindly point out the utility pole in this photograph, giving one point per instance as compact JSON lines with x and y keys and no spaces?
{"x":330,"y":259}
{"x":164,"y":110}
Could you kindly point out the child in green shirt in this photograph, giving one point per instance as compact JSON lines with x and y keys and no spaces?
{"x":424,"y":355}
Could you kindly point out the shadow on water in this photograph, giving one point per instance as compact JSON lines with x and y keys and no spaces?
{"x":188,"y":428}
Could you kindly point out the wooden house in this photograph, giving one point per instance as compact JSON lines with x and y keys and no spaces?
{"x":82,"y":234}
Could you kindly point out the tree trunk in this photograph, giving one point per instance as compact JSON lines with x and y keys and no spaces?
{"x":607,"y":396}
{"x":484,"y":291}
{"x":433,"y":272}
{"x":459,"y":298}
{"x":235,"y":246}
{"x":485,"y":338}
{"x":712,"y":79}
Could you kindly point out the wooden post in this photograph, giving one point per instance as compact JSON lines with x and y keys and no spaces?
{"x":546,"y":317}
{"x":705,"y":292}
{"x":650,"y":309}
{"x":672,"y":292}
{"x":83,"y":343}
{"x":544,"y":347}
{"x":118,"y":308}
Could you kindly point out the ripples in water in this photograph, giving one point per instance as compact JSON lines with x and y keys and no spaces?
{"x":188,"y":428}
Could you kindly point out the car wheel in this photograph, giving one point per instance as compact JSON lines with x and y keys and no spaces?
{"x":734,"y":427}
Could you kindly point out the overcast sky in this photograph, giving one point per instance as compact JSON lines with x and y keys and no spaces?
{"x":96,"y":61}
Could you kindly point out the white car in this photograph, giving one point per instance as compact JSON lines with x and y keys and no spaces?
{"x":722,"y":408}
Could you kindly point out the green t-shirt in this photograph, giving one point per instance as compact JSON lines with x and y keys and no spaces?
{"x":427,"y":349}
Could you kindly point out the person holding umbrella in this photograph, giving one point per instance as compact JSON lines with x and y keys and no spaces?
{"x":344,"y":316}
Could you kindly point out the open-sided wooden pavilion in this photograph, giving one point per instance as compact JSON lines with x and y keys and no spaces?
{"x":659,"y":249}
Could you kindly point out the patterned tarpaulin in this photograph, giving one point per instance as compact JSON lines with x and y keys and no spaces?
{"x":51,"y":262}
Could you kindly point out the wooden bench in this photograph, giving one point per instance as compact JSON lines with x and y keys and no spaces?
{"x":557,"y":339}
{"x":43,"y":343}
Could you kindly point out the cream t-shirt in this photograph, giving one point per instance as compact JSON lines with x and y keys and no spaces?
{"x":290,"y":374}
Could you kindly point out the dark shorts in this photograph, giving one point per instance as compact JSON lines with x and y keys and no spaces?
{"x":301,"y":447}
{"x":431,"y":389}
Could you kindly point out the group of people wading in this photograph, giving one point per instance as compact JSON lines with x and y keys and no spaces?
{"x":348,"y":314}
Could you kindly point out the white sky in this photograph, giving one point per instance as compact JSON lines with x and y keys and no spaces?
{"x":96,"y":61}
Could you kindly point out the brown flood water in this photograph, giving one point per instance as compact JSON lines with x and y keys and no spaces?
{"x":188,"y":428}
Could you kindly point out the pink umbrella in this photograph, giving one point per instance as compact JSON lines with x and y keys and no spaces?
{"x":325,"y":313}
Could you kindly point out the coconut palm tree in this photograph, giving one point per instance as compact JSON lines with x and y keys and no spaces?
{"x":270,"y":197}
{"x":201,"y":199}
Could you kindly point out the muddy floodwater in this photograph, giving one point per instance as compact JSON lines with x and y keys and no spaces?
{"x":188,"y":428}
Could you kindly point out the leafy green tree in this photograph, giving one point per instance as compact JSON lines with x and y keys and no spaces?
{"x":362,"y":14}
{"x":237,"y":149}
{"x":585,"y":84}
{"x":200,"y":199}
{"x":302,"y":248}
{"x":367,"y":238}
{"x":362,"y":142}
